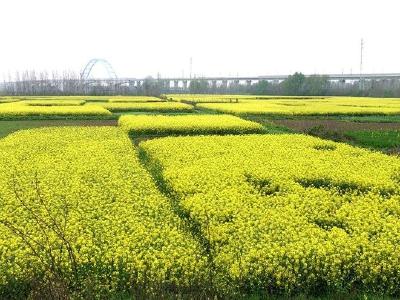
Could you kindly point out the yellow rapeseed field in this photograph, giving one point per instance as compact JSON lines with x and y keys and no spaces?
{"x":76,"y":205}
{"x":330,"y":106}
{"x":144,"y":106}
{"x":205,"y":98}
{"x":135,"y":99}
{"x":187,"y":124}
{"x":8,"y":100}
{"x":288,"y":213}
{"x":17,"y":109}
{"x":51,"y":102}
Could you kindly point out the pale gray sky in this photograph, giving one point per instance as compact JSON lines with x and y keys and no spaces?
{"x":251,"y":37}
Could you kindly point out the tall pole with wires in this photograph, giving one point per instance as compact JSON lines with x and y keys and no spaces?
{"x":361,"y":64}
{"x":190,"y":68}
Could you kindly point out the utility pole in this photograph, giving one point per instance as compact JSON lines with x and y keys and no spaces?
{"x":361,"y":64}
{"x":190,"y":68}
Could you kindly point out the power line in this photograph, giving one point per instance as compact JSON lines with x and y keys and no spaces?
{"x":361,"y":63}
{"x":190,"y":68}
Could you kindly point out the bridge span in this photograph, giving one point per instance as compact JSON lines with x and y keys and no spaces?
{"x":180,"y":84}
{"x":184,"y":82}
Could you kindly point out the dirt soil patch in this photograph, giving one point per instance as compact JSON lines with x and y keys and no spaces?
{"x":334,"y":125}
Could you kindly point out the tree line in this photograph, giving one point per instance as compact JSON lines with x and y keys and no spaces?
{"x":300,"y":85}
{"x":69,"y":83}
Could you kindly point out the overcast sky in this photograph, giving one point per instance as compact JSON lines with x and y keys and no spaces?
{"x":251,"y":37}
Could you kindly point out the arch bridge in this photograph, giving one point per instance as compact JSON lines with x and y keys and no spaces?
{"x":86,"y":72}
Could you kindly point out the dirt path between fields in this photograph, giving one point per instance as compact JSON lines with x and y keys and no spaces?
{"x":334,"y":125}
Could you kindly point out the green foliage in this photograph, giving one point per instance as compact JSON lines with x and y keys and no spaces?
{"x":298,"y":84}
{"x":150,"y":87}
{"x":316,"y":85}
{"x":261,"y":88}
{"x":198,"y":86}
{"x":380,"y":119}
{"x":293,"y":85}
{"x":376,"y":139}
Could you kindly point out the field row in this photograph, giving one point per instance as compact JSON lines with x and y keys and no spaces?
{"x":244,"y":214}
{"x":315,"y":107}
{"x":84,"y":209}
{"x":59,"y":100}
{"x":232,"y":104}
{"x":189,"y":124}
{"x":288,"y":213}
{"x":48,"y":108}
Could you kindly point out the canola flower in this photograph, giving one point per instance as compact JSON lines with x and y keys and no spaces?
{"x":91,"y":98}
{"x":51,"y":102}
{"x":135,"y":99}
{"x":64,"y":97}
{"x":288,"y":213}
{"x":18,"y":109}
{"x":88,"y":184}
{"x":145,"y":106}
{"x":329,"y":106}
{"x":8,"y":100}
{"x":187,"y":124}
